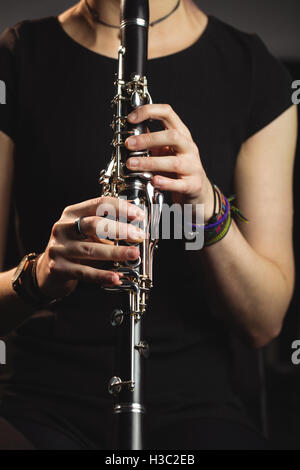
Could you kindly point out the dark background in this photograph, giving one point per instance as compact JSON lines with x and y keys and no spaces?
{"x":270,"y":383}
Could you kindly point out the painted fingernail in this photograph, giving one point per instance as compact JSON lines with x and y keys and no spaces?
{"x":133,"y":162}
{"x":131,"y":253}
{"x":131,"y":141}
{"x":132,"y":116}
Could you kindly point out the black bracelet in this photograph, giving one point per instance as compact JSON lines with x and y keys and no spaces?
{"x":215,"y":215}
{"x":215,"y":198}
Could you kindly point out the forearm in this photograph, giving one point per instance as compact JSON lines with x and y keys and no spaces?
{"x":13,"y":310}
{"x":245,"y":286}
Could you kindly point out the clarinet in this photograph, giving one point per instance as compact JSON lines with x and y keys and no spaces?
{"x":127,"y":385}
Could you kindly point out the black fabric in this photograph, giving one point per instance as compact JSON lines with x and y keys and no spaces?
{"x":58,"y":114}
{"x":41,"y":437}
{"x":200,"y":434}
{"x":206,"y":434}
{"x":11,"y":438}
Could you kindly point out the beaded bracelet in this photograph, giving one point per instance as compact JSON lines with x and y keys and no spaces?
{"x":219,"y":224}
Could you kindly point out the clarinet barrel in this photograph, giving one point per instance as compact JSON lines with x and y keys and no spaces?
{"x":127,"y":385}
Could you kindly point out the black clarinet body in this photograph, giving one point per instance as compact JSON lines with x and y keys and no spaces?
{"x":127,"y":384}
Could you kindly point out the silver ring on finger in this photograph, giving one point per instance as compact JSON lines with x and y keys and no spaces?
{"x":78,"y":229}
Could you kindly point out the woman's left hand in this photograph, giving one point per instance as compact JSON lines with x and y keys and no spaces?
{"x":176,"y":155}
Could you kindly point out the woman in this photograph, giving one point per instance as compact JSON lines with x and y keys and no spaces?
{"x":230,"y":122}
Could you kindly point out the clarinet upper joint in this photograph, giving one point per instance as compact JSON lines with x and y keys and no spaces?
{"x":117,"y":181}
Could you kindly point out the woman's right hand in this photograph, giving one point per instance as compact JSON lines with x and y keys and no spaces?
{"x":68,"y":258}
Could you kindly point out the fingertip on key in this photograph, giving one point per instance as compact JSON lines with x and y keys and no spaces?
{"x":115,"y":278}
{"x":132,"y":117}
{"x":134,"y":211}
{"x":132,"y":253}
{"x":131,"y":142}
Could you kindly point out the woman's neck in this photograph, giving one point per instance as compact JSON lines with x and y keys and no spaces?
{"x":109,"y":10}
{"x":163,"y":37}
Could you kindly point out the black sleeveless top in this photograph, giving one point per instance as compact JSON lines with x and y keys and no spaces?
{"x":225,"y":87}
